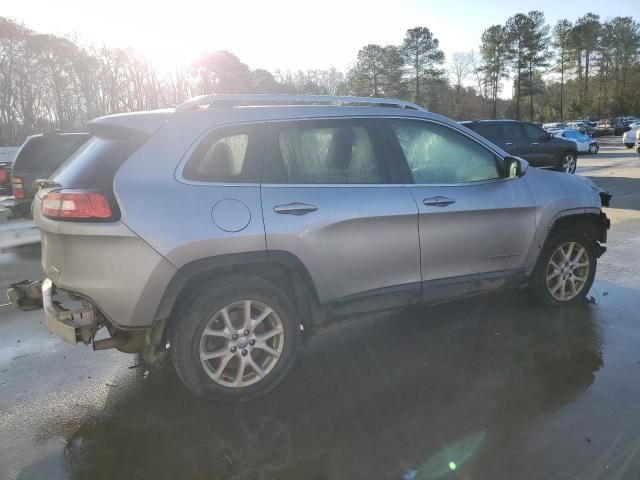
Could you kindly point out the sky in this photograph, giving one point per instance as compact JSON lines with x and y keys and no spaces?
{"x":283,"y":34}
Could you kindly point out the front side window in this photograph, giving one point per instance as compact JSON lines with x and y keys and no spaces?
{"x":534,"y":132}
{"x":226,"y":156}
{"x":436,"y":154}
{"x":327,"y":152}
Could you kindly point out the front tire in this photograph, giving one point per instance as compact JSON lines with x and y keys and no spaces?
{"x":629,"y":145}
{"x":235,"y":339}
{"x":568,"y":162}
{"x":565,"y":270}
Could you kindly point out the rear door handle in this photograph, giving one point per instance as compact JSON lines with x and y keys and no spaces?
{"x":533,"y":144}
{"x":295,"y":208}
{"x":438,"y":201}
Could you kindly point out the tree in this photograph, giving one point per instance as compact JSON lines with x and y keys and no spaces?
{"x":460,"y":68}
{"x":221,"y":72}
{"x":561,"y":42}
{"x":494,"y":51}
{"x":517,"y":30}
{"x":370,"y":67}
{"x":422,"y":54}
{"x":536,"y":50}
{"x":585,"y":37}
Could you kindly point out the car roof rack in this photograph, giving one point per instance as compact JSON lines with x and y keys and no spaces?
{"x":286,"y":99}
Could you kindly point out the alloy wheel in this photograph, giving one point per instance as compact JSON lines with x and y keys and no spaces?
{"x":241,"y":343}
{"x":567,"y":271}
{"x":569,"y":164}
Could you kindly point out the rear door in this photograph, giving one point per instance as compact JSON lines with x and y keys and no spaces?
{"x":475,"y":225}
{"x":331,"y":197}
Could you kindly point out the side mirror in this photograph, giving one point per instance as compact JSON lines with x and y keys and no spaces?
{"x":515,"y":167}
{"x":549,"y":135}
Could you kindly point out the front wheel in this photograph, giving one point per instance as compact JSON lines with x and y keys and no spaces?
{"x":235,"y":340}
{"x":594,"y":148}
{"x":568,"y":162}
{"x":629,"y":145}
{"x":565,"y":270}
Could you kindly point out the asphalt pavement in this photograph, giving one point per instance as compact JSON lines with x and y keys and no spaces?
{"x":488,"y":388}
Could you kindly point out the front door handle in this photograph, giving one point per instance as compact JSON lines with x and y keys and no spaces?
{"x":533,"y":144}
{"x":295,"y":208}
{"x":438,"y":201}
{"x":508,"y":144}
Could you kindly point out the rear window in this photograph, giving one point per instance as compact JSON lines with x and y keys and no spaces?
{"x":46,"y":153}
{"x":94,"y":165}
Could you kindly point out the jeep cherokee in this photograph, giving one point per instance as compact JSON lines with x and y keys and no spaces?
{"x":232,"y":227}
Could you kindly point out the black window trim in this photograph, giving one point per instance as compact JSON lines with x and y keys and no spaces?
{"x":404,"y":165}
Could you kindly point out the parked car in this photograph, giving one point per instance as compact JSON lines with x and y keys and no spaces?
{"x":232,"y":234}
{"x":524,"y":139}
{"x":626,"y":121}
{"x":555,"y":126}
{"x":39,"y":156}
{"x":612,"y":126}
{"x":5,"y":178}
{"x":585,"y":126}
{"x":584,"y":143}
{"x":629,"y":137}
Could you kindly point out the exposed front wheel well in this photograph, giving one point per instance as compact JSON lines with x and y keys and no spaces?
{"x":590,"y":224}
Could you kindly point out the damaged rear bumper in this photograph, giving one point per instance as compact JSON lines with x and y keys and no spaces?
{"x":71,"y":325}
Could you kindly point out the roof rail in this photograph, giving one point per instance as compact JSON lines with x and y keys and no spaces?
{"x":286,"y":99}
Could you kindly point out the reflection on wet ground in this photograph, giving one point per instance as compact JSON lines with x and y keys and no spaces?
{"x":448,"y":392}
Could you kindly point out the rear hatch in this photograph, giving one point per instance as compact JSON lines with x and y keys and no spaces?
{"x":85,"y":248}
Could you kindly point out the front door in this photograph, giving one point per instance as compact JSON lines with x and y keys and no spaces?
{"x":329,"y":198}
{"x":475,"y":225}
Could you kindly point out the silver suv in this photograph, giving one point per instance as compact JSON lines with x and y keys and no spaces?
{"x":232,"y":227}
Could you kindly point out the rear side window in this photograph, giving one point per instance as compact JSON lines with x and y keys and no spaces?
{"x":512,"y":131}
{"x":229,"y":155}
{"x":436,"y":154}
{"x":326,"y":152}
{"x":46,"y":153}
{"x":488,"y":130}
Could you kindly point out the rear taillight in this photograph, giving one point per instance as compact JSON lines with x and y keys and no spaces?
{"x":18,"y":188}
{"x":3,"y":175}
{"x":75,"y":205}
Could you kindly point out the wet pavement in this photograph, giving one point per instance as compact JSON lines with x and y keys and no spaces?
{"x":489,"y":388}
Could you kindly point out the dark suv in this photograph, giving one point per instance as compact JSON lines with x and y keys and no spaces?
{"x":5,"y":178}
{"x":529,"y":141}
{"x":39,"y":156}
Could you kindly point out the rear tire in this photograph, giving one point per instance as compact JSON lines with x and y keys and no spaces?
{"x":559,"y":279}
{"x":629,"y":145}
{"x":568,"y":162}
{"x":222,"y":354}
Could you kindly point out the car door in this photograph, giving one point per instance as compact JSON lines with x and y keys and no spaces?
{"x":475,"y":225}
{"x":543,"y":151}
{"x":514,"y":140}
{"x":332,"y":198}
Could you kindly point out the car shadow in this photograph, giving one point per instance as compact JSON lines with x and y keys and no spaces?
{"x":376,"y":397}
